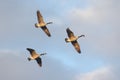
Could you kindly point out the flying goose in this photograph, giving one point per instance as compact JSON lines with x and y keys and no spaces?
{"x":73,"y":39}
{"x":41,"y":24}
{"x":35,"y":56}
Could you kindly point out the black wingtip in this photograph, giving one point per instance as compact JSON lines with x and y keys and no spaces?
{"x":40,"y":65}
{"x":79,"y":52}
{"x":49,"y":35}
{"x":67,"y":28}
{"x":29,"y":49}
{"x":38,"y":11}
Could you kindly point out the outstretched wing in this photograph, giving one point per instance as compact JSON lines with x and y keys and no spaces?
{"x":32,"y":51}
{"x":39,"y":17}
{"x":76,"y":46}
{"x":39,"y":61}
{"x":70,"y":33}
{"x":45,"y":29}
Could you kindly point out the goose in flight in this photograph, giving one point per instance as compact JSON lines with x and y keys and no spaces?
{"x":73,"y":39}
{"x":35,"y":56}
{"x":41,"y":24}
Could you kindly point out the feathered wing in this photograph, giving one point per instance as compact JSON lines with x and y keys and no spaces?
{"x":70,"y":33}
{"x":39,"y":17}
{"x":39,"y":61}
{"x":45,"y":29}
{"x":32,"y":51}
{"x":76,"y":46}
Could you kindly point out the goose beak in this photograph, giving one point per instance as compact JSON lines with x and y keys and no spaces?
{"x":44,"y":53}
{"x":83,"y":35}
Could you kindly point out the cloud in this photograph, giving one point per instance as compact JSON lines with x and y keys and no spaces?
{"x":97,"y":19}
{"x":17,"y":67}
{"x":98,"y":12}
{"x":101,"y":17}
{"x":104,"y":73}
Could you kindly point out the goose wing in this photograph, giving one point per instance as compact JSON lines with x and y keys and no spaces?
{"x":39,"y":61}
{"x":70,"y":33}
{"x":32,"y":52}
{"x":39,"y":17}
{"x":76,"y":46}
{"x":45,"y":29}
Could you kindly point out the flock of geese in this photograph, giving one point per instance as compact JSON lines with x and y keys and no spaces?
{"x":41,"y":24}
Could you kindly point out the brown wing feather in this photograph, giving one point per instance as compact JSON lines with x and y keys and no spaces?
{"x":40,"y":18}
{"x":70,"y":33}
{"x":39,"y":61}
{"x":45,"y":29}
{"x":32,"y":51}
{"x":76,"y":46}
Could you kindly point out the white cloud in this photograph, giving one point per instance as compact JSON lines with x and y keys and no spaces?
{"x":100,"y":22}
{"x":19,"y":68}
{"x":98,"y":12}
{"x":104,"y":73}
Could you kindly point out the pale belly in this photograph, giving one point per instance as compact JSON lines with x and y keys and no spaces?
{"x":73,"y":39}
{"x":34,"y":57}
{"x":40,"y":25}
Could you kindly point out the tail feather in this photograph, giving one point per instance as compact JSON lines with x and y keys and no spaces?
{"x":29,"y":59}
{"x":36,"y":25}
{"x":66,"y":40}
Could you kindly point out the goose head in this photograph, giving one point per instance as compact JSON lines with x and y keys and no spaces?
{"x":49,"y":23}
{"x":81,"y":36}
{"x":43,"y":54}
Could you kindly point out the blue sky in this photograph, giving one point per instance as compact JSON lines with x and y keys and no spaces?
{"x":98,"y":20}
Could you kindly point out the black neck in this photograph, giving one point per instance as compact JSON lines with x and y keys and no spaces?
{"x":81,"y":36}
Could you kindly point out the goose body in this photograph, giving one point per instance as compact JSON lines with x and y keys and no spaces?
{"x":41,"y":24}
{"x":73,"y":39}
{"x":35,"y":56}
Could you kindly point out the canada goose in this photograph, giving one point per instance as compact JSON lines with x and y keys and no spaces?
{"x":73,"y":39}
{"x":35,"y":56}
{"x":41,"y":24}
